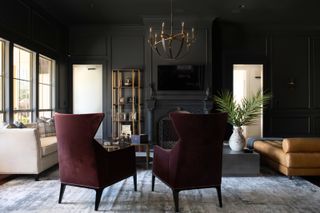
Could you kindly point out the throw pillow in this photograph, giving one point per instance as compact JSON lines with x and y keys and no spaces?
{"x":41,"y":127}
{"x":10,"y":126}
{"x":19,"y":124}
{"x":31,"y":125}
{"x":46,"y":127}
{"x":50,"y":128}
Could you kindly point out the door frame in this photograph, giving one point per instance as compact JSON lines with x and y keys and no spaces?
{"x":227,"y":80}
{"x":106,"y":104}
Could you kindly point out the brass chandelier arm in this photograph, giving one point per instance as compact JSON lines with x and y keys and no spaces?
{"x":170,"y":49}
{"x":180,"y":49}
{"x":163,"y":44}
{"x":157,"y":51}
{"x":163,"y":41}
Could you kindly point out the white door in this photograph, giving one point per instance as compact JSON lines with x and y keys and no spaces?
{"x":87,"y":90}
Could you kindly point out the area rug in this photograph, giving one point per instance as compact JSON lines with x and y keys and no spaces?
{"x":268,"y":193}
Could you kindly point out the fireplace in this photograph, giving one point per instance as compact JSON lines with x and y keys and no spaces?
{"x":165,"y":134}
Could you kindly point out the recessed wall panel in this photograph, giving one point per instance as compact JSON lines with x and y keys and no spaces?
{"x":127,"y":51}
{"x":315,"y":86}
{"x":87,"y":42}
{"x":16,"y":17}
{"x":290,"y":126}
{"x":45,"y":32}
{"x":290,"y":72}
{"x":317,"y":126}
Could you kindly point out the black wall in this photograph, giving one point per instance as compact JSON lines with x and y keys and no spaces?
{"x":113,"y":47}
{"x":23,"y":23}
{"x":291,"y":59}
{"x":290,"y":54}
{"x":127,"y":47}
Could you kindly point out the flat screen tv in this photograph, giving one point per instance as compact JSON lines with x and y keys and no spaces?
{"x":180,"y":77}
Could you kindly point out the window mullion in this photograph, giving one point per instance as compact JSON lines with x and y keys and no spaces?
{"x":45,"y":85}
{"x":34,"y":80}
{"x":22,"y":89}
{"x":9,"y":83}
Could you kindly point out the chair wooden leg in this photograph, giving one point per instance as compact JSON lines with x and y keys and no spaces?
{"x":176,"y":199}
{"x":98,"y":198}
{"x":219,"y":195}
{"x":152,"y":183}
{"x":135,"y":181}
{"x":62,"y":188}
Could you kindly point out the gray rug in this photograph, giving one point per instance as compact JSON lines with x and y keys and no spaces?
{"x":270,"y":193}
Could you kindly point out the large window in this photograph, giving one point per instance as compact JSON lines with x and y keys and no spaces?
{"x":30,"y":86}
{"x":22,"y":84}
{"x":45,"y":86}
{"x":1,"y":81}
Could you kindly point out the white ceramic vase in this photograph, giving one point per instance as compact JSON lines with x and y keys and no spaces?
{"x":237,"y":141}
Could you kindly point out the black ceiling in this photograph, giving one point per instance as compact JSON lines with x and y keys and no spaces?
{"x":131,"y":12}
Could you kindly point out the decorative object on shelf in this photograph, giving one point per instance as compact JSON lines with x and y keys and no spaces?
{"x":128,"y":82}
{"x":124,"y":138}
{"x":132,"y":116}
{"x":122,"y":116}
{"x":129,"y":100}
{"x":171,"y":45}
{"x":121,"y":100}
{"x":126,"y":129}
{"x":240,"y":114}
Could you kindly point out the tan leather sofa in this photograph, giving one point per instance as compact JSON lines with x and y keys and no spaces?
{"x":291,"y":156}
{"x":22,"y":151}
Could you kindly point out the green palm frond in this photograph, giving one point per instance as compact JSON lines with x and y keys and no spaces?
{"x":246,"y":112}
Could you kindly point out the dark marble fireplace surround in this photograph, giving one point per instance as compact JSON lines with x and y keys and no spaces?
{"x":164,"y":133}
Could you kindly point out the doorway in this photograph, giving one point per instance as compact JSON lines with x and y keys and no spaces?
{"x":87,"y":90}
{"x":247,"y":80}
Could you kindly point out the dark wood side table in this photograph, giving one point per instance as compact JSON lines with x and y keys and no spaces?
{"x":240,"y":163}
{"x":146,"y":148}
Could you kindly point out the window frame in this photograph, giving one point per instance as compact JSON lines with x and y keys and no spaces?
{"x":2,"y":76}
{"x":52,"y":85}
{"x":11,"y":79}
{"x":31,"y":82}
{"x":5,"y":80}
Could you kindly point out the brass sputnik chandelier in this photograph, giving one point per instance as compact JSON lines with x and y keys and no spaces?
{"x":171,"y":45}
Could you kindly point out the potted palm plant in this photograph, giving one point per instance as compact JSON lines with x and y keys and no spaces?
{"x":240,"y":114}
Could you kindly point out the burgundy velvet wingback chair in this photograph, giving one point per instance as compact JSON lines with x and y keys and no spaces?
{"x":83,"y":162}
{"x":196,"y":159}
